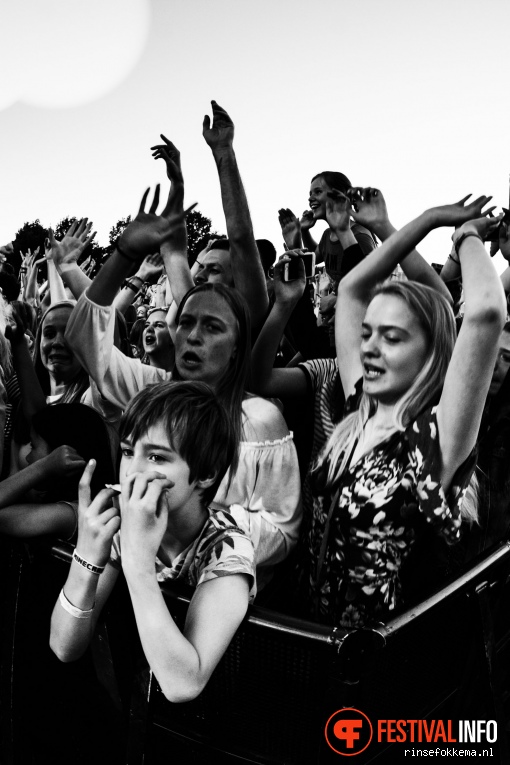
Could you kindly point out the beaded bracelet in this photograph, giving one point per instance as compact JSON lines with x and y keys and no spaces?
{"x":89,"y":566}
{"x":78,"y":613}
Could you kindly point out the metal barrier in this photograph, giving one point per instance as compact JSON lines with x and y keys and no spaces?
{"x":282,"y":678}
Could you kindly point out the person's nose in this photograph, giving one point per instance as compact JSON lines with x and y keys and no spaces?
{"x":370,"y":346}
{"x":195,"y":335}
{"x":136,"y":464}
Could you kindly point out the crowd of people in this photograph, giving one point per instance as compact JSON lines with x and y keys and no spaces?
{"x":332,"y":447}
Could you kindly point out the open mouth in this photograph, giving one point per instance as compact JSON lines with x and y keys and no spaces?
{"x":191,"y":359}
{"x":371,"y":372}
{"x":150,"y":340}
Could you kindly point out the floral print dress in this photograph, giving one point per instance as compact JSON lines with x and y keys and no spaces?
{"x":365,"y":527}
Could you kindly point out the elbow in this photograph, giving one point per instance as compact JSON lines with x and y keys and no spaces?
{"x":63,"y":653}
{"x":179,"y":693}
{"x":491,"y":315}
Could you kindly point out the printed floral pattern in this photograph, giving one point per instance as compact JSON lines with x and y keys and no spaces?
{"x":385,"y":500}
{"x":221,"y":549}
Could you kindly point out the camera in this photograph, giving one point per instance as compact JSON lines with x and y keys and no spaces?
{"x":291,"y":269}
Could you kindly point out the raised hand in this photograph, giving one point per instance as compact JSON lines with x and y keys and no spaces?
{"x":75,"y":240}
{"x":460,"y":212}
{"x":338,"y":211}
{"x":148,"y":231}
{"x":151,"y":268}
{"x":285,"y":291}
{"x":98,"y":520}
{"x":369,"y":208}
{"x":481,"y":226}
{"x":504,"y":241}
{"x":168,"y":152}
{"x":307,"y":220}
{"x":291,"y":229}
{"x":219,"y":135}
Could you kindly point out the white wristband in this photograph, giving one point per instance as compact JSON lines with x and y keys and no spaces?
{"x":78,"y":613}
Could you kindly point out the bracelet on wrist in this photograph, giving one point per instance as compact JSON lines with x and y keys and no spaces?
{"x":450,"y":257}
{"x":78,"y":613}
{"x":458,"y":242}
{"x":89,"y":566}
{"x":124,"y":253}
{"x":130,"y":286}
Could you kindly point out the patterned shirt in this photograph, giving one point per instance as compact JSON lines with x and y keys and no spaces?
{"x":364,"y":528}
{"x":221,"y":549}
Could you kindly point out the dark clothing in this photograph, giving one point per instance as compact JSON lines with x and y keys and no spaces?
{"x":338,"y":263}
{"x":493,"y":474}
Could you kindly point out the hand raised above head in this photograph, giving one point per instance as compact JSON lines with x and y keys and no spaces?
{"x":221,"y":133}
{"x":14,"y":329}
{"x":483,"y":226}
{"x":148,"y":231}
{"x":70,"y":248}
{"x":171,"y":155}
{"x":460,"y":212}
{"x":338,"y":210}
{"x":368,"y":207}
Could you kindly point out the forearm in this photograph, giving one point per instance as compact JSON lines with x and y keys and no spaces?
{"x":109,"y":279}
{"x":246,"y":264}
{"x":450,"y":270}
{"x":505,"y":279}
{"x":126,"y":296}
{"x":32,"y":396}
{"x":172,"y":658}
{"x":483,"y":292}
{"x":70,"y":636}
{"x":309,"y":242}
{"x":14,"y":488}
{"x":74,"y":278}
{"x":177,"y":271}
{"x":380,"y":263}
{"x":416,"y":268}
{"x":266,"y":347}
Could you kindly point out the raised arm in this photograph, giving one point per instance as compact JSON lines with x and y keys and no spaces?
{"x":470,"y":371}
{"x":149,"y":270}
{"x":175,"y":250}
{"x":266,"y":380}
{"x":32,"y":396}
{"x":246,"y":265}
{"x":66,"y":253}
{"x":354,"y":290}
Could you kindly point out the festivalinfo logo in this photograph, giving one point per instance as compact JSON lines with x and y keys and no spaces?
{"x":349,"y":732}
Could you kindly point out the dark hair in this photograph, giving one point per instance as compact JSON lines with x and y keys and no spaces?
{"x":198,"y":427}
{"x":235,"y":381}
{"x":334,"y":180}
{"x":267,"y":253}
{"x":76,"y":387}
{"x":86,"y":431}
{"x":136,"y":336}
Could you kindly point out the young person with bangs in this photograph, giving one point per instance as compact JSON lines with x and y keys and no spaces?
{"x":177,"y":442}
{"x":398,"y":466}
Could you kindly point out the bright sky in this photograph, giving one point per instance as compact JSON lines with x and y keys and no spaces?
{"x":407,"y":96}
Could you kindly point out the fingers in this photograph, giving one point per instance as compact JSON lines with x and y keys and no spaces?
{"x":144,"y":200}
{"x":155,"y":201}
{"x":206,"y":125}
{"x":219,"y":111}
{"x":84,"y":485}
{"x":464,"y":199}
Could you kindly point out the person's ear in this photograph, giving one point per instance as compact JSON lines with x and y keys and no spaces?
{"x":207,"y":482}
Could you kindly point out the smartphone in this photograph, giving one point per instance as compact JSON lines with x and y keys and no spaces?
{"x":291,"y":272}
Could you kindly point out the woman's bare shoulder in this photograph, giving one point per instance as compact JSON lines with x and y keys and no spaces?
{"x":262,"y":420}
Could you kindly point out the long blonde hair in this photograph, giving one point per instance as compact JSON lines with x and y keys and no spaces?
{"x":437,"y":321}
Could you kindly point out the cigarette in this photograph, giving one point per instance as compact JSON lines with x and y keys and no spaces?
{"x":114,"y":486}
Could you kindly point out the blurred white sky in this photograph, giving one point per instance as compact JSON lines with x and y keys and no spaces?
{"x":408,"y":96}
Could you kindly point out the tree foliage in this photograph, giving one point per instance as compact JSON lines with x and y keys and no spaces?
{"x":198,"y":227}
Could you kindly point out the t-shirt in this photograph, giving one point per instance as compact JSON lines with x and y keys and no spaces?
{"x":221,"y":549}
{"x":337,"y":266}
